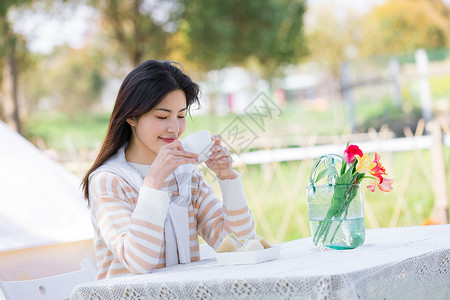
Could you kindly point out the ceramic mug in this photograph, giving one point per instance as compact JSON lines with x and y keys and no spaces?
{"x":199,"y":143}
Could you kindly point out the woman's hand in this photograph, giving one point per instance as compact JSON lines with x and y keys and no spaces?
{"x":220,"y":161}
{"x":169,"y":158}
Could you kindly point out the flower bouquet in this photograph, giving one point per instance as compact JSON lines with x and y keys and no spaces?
{"x":337,"y":221}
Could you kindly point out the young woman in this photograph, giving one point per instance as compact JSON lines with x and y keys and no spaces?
{"x":148,"y":202}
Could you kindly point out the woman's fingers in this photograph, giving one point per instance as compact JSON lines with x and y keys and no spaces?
{"x":216,"y":139}
{"x":183,"y":153}
{"x":174,"y":145}
{"x":224,"y":158}
{"x":181,"y":160}
{"x":176,"y":158}
{"x":176,"y":148}
{"x":188,"y":160}
{"x":219,"y":151}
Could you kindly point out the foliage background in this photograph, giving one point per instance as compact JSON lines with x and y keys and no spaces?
{"x":55,"y":99}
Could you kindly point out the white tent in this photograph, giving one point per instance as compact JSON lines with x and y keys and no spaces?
{"x":41,"y":203}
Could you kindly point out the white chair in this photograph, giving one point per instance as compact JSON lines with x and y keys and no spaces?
{"x":49,"y":288}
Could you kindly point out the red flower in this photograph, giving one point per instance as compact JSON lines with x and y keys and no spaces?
{"x":350,"y":152}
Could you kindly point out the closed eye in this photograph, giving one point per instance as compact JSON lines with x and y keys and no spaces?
{"x":162,"y":118}
{"x":181,"y":117}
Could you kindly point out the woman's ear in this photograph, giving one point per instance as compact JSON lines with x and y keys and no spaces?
{"x":131,"y":121}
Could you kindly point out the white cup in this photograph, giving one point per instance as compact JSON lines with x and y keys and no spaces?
{"x":199,"y":143}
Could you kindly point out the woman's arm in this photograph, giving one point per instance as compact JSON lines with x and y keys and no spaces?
{"x":216,"y":219}
{"x":133,"y":232}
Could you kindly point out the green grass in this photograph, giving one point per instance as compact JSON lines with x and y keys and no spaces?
{"x":283,"y":196}
{"x":294,"y":119}
{"x":277,"y":193}
{"x":87,"y":130}
{"x":374,"y":114}
{"x":440,"y":87}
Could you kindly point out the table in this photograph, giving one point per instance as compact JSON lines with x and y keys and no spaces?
{"x":393,"y":263}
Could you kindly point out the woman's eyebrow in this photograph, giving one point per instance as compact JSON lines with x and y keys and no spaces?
{"x":168,"y":110}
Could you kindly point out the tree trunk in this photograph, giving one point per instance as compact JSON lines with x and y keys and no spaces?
{"x":137,"y":51}
{"x":9,"y":99}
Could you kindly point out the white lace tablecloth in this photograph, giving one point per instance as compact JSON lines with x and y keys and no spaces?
{"x":393,"y":263}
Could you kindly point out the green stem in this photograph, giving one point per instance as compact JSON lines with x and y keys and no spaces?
{"x":339,"y":225}
{"x":340,"y":203}
{"x":324,"y":228}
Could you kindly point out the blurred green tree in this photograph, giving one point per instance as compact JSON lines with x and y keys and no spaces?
{"x":396,"y":27}
{"x":403,"y":26}
{"x":136,"y":29}
{"x":12,"y":45}
{"x":222,"y":33}
{"x":72,"y":83}
{"x":332,"y":38}
{"x":214,"y":33}
{"x":265,"y":34}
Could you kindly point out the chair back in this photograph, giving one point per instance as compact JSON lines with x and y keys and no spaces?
{"x":49,"y":288}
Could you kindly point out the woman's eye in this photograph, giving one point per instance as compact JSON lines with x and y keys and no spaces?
{"x":181,"y":117}
{"x":162,"y":118}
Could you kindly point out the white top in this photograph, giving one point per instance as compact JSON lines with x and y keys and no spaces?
{"x":139,"y":229}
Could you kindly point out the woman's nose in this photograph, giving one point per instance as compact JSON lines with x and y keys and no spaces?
{"x":173,"y":126}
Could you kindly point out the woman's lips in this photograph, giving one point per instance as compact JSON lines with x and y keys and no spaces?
{"x":168,"y":140}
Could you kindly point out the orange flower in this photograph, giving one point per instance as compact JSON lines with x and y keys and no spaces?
{"x":430,"y":221}
{"x":384,"y":184}
{"x":378,"y":170}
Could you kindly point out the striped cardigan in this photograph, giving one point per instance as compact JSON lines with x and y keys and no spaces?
{"x":129,"y":239}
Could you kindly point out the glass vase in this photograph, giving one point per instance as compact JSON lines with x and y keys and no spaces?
{"x":344,"y":229}
{"x":336,"y":212}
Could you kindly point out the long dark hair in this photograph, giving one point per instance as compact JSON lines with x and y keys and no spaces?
{"x":142,"y":90}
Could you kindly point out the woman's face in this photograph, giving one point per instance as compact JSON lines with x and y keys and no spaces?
{"x":162,"y":125}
